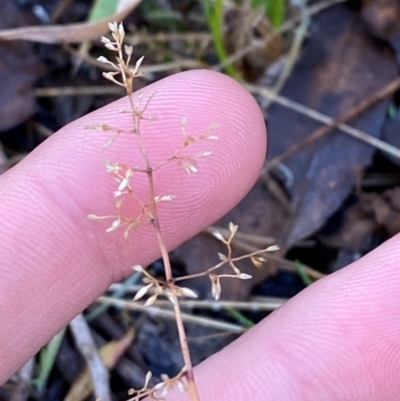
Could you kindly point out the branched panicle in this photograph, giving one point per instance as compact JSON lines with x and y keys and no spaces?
{"x":228,"y":259}
{"x":160,"y":390}
{"x":123,"y":74}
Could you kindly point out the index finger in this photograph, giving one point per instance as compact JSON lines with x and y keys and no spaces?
{"x":55,"y":262}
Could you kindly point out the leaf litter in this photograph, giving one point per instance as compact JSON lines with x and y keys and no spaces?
{"x":339,"y":67}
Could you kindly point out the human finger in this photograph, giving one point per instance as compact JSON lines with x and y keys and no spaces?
{"x":339,"y":339}
{"x":54,"y":261}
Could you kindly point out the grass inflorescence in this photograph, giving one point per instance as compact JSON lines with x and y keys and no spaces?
{"x":123,"y":74}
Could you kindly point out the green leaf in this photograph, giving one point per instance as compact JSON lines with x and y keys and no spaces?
{"x":276,"y":10}
{"x":240,"y":318}
{"x":47,"y":358}
{"x":102,"y":9}
{"x":214,"y":15}
{"x":307,"y":280}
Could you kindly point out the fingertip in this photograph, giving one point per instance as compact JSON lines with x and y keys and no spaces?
{"x":47,"y":242}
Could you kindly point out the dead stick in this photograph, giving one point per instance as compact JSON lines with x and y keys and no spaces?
{"x":352,"y":113}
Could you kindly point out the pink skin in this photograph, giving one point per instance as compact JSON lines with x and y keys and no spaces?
{"x":337,"y":340}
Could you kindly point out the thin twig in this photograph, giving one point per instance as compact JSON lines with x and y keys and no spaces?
{"x":192,"y":388}
{"x":316,"y":115}
{"x":146,"y":37}
{"x":59,"y":10}
{"x":88,"y":349}
{"x":268,"y":304}
{"x":78,"y":91}
{"x":154,"y":311}
{"x":292,"y":56}
{"x":337,"y":122}
{"x":146,"y":69}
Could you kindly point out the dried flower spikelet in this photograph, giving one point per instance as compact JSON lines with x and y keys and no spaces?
{"x":112,"y":167}
{"x":98,"y":127}
{"x":215,"y":286}
{"x":189,"y":164}
{"x":171,"y":297}
{"x":109,"y":142}
{"x":142,"y":292}
{"x":138,"y":268}
{"x":150,"y":301}
{"x":187,"y":292}
{"x":136,"y":71}
{"x":233,"y":228}
{"x":257,"y":261}
{"x":128,"y":50}
{"x":125,"y":182}
{"x":93,"y":217}
{"x":164,"y":198}
{"x":147,"y":379}
{"x":273,"y":248}
{"x":113,"y":26}
{"x":181,"y":386}
{"x":218,"y":236}
{"x":114,"y":225}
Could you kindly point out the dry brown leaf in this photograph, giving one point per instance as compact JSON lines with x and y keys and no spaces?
{"x":352,"y":229}
{"x":339,"y":67}
{"x":338,"y":70}
{"x":385,"y":209}
{"x":110,"y":353}
{"x":382,"y":18}
{"x":69,"y":33}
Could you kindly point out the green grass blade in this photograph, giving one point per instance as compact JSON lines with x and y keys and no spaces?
{"x":47,"y":358}
{"x":240,"y":318}
{"x":214,"y":15}
{"x":307,"y":280}
{"x":276,"y":10}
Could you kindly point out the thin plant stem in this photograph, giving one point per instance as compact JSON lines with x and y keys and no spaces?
{"x":122,"y":75}
{"x":191,"y":384}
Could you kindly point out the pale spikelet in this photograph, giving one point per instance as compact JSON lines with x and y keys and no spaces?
{"x":215,"y":286}
{"x":218,"y":236}
{"x":114,"y":225}
{"x":142,"y":292}
{"x":150,"y":301}
{"x":233,"y":228}
{"x":164,"y":198}
{"x":187,"y":292}
{"x":93,"y":217}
